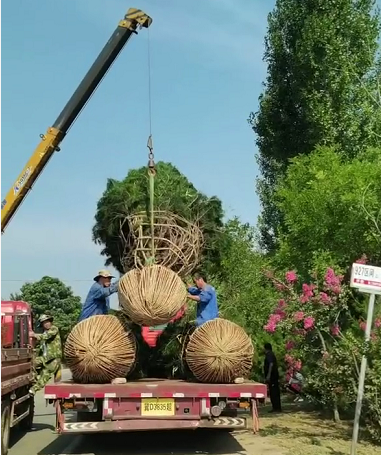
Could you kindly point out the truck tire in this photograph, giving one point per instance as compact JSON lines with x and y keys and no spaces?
{"x":5,"y":426}
{"x":27,"y":423}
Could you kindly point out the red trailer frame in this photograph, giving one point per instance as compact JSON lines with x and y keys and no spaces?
{"x":151,"y":404}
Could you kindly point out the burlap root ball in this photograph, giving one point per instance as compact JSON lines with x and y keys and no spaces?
{"x":100,"y":349}
{"x":152,"y":295}
{"x":219,"y":351}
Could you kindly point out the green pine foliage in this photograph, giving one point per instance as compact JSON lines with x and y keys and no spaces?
{"x":173,"y":192}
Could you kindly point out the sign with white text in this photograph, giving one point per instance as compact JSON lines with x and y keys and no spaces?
{"x":366,"y":278}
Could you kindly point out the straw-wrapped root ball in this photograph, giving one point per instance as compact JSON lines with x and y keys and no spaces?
{"x":100,"y":349}
{"x":219,"y":351}
{"x":152,"y":295}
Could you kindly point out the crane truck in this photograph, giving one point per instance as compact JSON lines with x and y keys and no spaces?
{"x":51,"y":140}
{"x":146,"y":404}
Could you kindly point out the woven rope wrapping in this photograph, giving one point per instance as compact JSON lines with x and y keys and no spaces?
{"x":100,"y":349}
{"x":178,"y":243}
{"x":152,"y":295}
{"x":219,"y":351}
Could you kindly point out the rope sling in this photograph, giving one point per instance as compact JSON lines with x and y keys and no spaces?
{"x":154,"y":294}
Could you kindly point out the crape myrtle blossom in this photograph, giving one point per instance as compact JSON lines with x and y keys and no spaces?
{"x":291,"y":276}
{"x":272,"y":323}
{"x":332,"y":281}
{"x":308,"y":292}
{"x":276,"y":317}
{"x":362,"y":325}
{"x":299,"y":316}
{"x":325,"y":298}
{"x":377,"y":324}
{"x":335,"y":330}
{"x":309,"y":322}
{"x":293,"y":363}
{"x":308,"y":309}
{"x":362,"y":260}
{"x":290,"y":345}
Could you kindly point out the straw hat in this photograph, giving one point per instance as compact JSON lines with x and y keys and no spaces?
{"x":103,"y":273}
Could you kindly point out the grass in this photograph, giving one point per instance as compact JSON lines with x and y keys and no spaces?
{"x":302,"y":431}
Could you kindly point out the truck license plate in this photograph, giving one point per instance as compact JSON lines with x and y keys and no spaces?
{"x":158,"y":407}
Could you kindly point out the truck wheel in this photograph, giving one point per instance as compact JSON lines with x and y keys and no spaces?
{"x":5,"y":427}
{"x":27,"y":423}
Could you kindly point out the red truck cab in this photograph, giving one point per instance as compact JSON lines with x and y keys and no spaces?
{"x":16,"y":324}
{"x":17,"y":405}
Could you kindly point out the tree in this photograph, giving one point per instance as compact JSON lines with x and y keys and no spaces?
{"x":173,"y":192}
{"x":330,"y":206}
{"x":51,"y":296}
{"x":244,"y":294}
{"x":321,"y":89}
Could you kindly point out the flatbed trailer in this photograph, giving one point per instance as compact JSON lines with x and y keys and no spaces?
{"x":154,"y":404}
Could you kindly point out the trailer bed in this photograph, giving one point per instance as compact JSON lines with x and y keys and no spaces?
{"x":153,"y":404}
{"x":146,"y":388}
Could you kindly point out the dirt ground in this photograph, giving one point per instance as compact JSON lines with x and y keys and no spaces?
{"x":298,"y":431}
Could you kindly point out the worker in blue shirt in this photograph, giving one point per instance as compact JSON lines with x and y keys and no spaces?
{"x":205,"y":296}
{"x":98,"y":298}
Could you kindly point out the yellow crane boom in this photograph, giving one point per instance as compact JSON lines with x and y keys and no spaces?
{"x":50,"y":141}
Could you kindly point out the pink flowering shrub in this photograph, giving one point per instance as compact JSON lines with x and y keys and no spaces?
{"x":311,"y":308}
{"x":311,"y":313}
{"x":310,"y":316}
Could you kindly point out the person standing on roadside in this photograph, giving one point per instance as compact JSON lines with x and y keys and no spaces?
{"x":98,"y":298}
{"x":271,"y":373}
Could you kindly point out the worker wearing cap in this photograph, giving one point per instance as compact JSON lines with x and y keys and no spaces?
{"x":98,"y":298}
{"x":48,"y":361}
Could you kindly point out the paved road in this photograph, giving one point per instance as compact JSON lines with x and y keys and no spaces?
{"x":42,"y":441}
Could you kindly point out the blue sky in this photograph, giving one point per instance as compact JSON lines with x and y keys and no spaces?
{"x":207,"y":71}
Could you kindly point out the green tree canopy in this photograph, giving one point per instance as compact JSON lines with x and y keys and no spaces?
{"x":321,"y":89}
{"x":173,"y":192}
{"x":51,"y":296}
{"x":245,"y":295}
{"x":333,"y":206}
